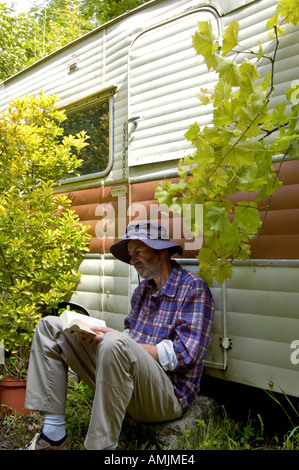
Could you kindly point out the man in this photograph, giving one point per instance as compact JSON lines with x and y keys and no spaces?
{"x":152,"y":370}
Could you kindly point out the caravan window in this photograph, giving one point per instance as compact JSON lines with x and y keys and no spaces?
{"x":94,"y":118}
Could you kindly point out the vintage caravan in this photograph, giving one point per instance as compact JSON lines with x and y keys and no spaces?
{"x":132,"y":84}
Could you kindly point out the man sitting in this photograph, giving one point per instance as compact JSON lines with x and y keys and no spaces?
{"x":151,"y":370}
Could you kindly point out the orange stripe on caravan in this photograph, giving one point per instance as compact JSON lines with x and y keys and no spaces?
{"x":279,"y":239}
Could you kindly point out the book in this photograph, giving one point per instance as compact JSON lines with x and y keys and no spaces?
{"x":73,"y":322}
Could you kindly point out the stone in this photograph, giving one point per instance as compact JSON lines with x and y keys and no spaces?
{"x":171,"y":434}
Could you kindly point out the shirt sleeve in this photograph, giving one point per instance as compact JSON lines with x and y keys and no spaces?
{"x":166,"y":355}
{"x":193,"y":329}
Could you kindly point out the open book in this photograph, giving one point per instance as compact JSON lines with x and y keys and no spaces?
{"x":73,"y":322}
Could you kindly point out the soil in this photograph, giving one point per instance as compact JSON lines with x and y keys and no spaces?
{"x":16,"y":430}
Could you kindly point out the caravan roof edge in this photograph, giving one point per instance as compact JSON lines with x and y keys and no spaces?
{"x":89,"y":34}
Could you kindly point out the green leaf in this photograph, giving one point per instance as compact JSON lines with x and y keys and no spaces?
{"x":260,"y":53}
{"x":293,"y":93}
{"x":217,"y":218}
{"x":279,"y":116}
{"x":223,"y":272}
{"x":164,"y":197}
{"x":230,"y":37}
{"x":193,"y":217}
{"x":206,"y":275}
{"x":238,"y":156}
{"x":219,"y":177}
{"x":248,"y":218}
{"x":203,"y":96}
{"x":204,"y":155}
{"x":224,"y":114}
{"x":223,"y":92}
{"x":229,"y":71}
{"x":192,"y":133}
{"x":203,"y":40}
{"x":250,"y":70}
{"x":206,"y":257}
{"x":286,"y":138}
{"x":272,"y":21}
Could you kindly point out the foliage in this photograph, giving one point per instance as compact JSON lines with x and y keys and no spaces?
{"x":41,"y":240}
{"x":13,"y":33}
{"x":222,"y":432}
{"x":101,"y":11}
{"x":78,"y":410}
{"x":53,"y":25}
{"x":234,"y":154}
{"x":48,"y":26}
{"x":287,"y":406}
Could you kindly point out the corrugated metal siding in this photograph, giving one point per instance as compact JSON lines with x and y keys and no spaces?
{"x":161,"y":92}
{"x":165,"y":98}
{"x":52,"y":75}
{"x":103,"y":289}
{"x":252,"y":20}
{"x":166,"y":102}
{"x":90,"y":290}
{"x":262,"y":321}
{"x":115,"y":297}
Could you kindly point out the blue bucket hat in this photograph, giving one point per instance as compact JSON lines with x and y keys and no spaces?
{"x":152,"y":234}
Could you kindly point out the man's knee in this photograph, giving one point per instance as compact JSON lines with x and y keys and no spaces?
{"x":47,"y":329}
{"x":115,"y":349}
{"x":111,"y":342}
{"x":49,"y":322}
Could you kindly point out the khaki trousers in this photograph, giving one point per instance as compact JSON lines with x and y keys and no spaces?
{"x":124,"y":376}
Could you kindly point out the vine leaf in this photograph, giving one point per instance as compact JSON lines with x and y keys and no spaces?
{"x":231,"y":170}
{"x":230,"y":37}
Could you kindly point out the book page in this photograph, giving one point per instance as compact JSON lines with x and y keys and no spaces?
{"x":70,"y":319}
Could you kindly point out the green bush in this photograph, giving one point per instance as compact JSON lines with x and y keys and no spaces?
{"x":42,"y":242}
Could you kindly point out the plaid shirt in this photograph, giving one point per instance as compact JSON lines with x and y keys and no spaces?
{"x":181,"y":312}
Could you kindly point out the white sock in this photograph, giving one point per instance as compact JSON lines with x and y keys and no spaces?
{"x":113,"y":447}
{"x":54,"y":427}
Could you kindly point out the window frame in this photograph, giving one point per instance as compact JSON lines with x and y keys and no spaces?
{"x":87,"y":103}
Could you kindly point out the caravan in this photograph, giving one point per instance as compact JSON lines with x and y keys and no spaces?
{"x":132,"y":84}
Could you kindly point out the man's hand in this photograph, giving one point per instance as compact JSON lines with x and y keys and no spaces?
{"x":92,"y":341}
{"x":151,"y":349}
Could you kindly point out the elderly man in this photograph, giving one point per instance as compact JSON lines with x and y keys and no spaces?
{"x":151,"y":370}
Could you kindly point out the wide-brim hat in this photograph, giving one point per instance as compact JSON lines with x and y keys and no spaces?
{"x":152,"y":234}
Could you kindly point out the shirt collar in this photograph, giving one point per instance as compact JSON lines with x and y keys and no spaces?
{"x":172,"y":282}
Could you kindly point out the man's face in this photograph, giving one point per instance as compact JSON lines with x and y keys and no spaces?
{"x":145,"y":260}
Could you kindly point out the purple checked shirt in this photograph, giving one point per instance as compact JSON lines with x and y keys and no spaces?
{"x":181,"y":312}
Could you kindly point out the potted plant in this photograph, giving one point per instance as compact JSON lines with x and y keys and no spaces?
{"x":13,"y":383}
{"x":42,"y":242}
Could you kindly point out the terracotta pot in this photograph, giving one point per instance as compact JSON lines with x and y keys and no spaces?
{"x":12,"y":395}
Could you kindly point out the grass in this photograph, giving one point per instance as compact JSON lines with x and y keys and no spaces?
{"x":223,"y":432}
